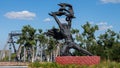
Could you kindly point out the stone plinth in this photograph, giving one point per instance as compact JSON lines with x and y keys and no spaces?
{"x":81,"y":60}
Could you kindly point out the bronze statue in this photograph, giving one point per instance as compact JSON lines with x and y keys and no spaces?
{"x":64,"y":32}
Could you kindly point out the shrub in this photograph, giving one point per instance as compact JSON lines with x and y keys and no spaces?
{"x":103,"y":64}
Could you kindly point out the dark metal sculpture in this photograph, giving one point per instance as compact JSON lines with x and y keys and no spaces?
{"x":64,"y":29}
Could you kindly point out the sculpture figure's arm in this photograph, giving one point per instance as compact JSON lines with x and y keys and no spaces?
{"x":58,"y":22}
{"x":55,"y":14}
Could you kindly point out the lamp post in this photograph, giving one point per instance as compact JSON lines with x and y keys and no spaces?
{"x":9,"y":52}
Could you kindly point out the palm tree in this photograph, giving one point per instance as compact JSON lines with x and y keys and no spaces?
{"x":27,"y":38}
{"x":43,"y":40}
{"x":51,"y":47}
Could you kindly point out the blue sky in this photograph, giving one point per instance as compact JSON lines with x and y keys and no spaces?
{"x":14,"y":14}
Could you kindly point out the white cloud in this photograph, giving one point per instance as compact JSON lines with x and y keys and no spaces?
{"x":91,"y":22}
{"x":22,"y":15}
{"x":102,"y":23}
{"x":104,"y":26}
{"x":110,"y":1}
{"x":62,"y":20}
{"x":47,"y":20}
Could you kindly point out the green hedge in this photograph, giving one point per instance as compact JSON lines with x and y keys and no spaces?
{"x":103,"y":64}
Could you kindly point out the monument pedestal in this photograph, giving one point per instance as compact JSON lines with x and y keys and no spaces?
{"x":81,"y":60}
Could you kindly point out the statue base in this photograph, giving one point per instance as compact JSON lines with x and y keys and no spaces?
{"x":81,"y":60}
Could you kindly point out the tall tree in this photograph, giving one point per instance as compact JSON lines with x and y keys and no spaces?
{"x":110,"y":43}
{"x":87,"y":39}
{"x":108,"y":39}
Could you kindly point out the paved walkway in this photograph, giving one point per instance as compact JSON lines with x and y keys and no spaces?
{"x":13,"y":67}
